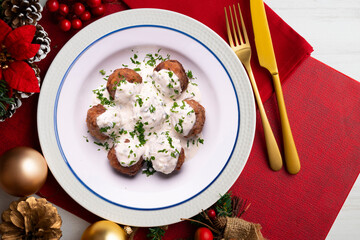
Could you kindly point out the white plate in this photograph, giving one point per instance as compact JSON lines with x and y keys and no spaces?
{"x":84,"y":172}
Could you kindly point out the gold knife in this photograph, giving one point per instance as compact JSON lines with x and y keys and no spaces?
{"x":267,"y":60}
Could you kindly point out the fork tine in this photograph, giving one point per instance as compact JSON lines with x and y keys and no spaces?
{"x":228,"y":30}
{"x":238,"y":26}
{"x":243,"y":25}
{"x":233,"y":27}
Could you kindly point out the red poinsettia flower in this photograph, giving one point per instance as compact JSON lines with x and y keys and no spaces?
{"x":16,"y":46}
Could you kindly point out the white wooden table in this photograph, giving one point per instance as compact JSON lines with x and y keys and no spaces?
{"x":332,"y":27}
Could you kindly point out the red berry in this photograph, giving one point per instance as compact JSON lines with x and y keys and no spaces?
{"x":52,"y":5}
{"x":65,"y":25}
{"x":59,"y":17}
{"x":85,"y":16}
{"x":211,"y":213}
{"x":93,"y":3}
{"x":78,"y":8}
{"x":99,"y":10}
{"x":76,"y":23}
{"x":63,"y":9}
{"x":203,"y":233}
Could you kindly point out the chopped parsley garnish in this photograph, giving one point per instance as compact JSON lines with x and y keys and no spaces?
{"x":135,"y":61}
{"x":149,"y":168}
{"x":105,"y":145}
{"x":190,"y":112}
{"x":152,"y":108}
{"x":189,"y":74}
{"x":183,"y":105}
{"x":200,"y":140}
{"x":139,"y":100}
{"x":139,"y":130}
{"x":175,"y":105}
{"x":104,"y":129}
{"x":179,"y":127}
{"x":170,"y":141}
{"x":122,"y":131}
{"x":137,"y":69}
{"x":102,"y":71}
{"x":103,"y":100}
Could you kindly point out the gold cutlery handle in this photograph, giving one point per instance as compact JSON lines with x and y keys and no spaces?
{"x":273,"y":151}
{"x":290,"y":152}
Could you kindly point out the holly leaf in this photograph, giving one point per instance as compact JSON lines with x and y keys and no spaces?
{"x":20,"y":76}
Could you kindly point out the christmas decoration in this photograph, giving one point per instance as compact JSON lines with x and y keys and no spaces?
{"x":21,"y":12}
{"x":99,"y":10}
{"x":31,"y":218}
{"x":203,"y":233}
{"x":20,"y":46}
{"x":104,"y":230}
{"x":23,"y":171}
{"x":41,"y":37}
{"x":16,"y":47}
{"x":72,"y":14}
{"x":156,"y":233}
{"x":52,"y":5}
{"x":227,"y":223}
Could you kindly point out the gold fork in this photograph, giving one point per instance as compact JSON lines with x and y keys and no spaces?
{"x":242,"y":49}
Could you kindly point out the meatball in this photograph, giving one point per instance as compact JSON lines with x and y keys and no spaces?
{"x":91,"y":121}
{"x":119,"y":75}
{"x":200,"y":117}
{"x":176,"y":67}
{"x":131,"y":171}
{"x":181,"y":159}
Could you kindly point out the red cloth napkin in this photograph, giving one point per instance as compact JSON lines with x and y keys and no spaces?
{"x":323,"y":109}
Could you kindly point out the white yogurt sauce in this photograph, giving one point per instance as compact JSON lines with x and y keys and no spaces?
{"x":163,"y":151}
{"x":110,"y":119}
{"x":167,"y":83}
{"x":126,"y":91}
{"x":148,"y":115}
{"x":128,"y":150}
{"x":183,"y":117}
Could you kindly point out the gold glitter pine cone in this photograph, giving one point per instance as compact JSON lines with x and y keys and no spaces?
{"x":31,"y":219}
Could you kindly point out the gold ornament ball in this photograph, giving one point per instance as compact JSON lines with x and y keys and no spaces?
{"x":104,"y":230}
{"x":23,"y":171}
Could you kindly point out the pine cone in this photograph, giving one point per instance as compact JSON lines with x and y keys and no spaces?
{"x":31,"y":219}
{"x":21,"y":12}
{"x":11,"y":109}
{"x":41,"y":37}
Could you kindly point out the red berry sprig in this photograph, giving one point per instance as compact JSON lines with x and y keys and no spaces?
{"x":70,"y":14}
{"x":211,"y":213}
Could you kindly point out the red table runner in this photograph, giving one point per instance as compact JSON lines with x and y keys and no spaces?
{"x":323,"y":108}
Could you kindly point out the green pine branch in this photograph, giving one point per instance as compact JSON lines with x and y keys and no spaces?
{"x":156,"y":233}
{"x":4,"y":98}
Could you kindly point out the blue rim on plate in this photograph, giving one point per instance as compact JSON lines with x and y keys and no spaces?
{"x":64,"y":155}
{"x":47,"y":117}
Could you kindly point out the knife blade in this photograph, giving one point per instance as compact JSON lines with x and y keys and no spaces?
{"x":262,"y":36}
{"x":266,"y":56}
